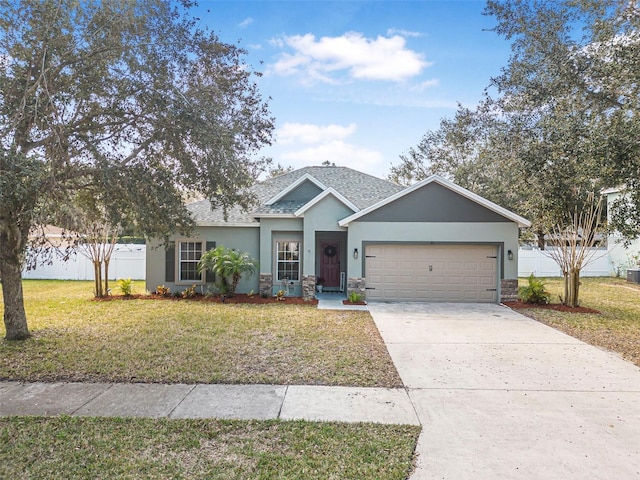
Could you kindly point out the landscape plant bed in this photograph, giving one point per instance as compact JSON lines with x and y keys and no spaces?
{"x":76,"y":447}
{"x":349,"y":302}
{"x":550,"y":306}
{"x":237,"y":298}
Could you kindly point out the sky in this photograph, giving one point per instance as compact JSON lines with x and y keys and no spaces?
{"x":359,"y":83}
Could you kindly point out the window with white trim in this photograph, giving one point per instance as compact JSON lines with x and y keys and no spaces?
{"x":287,"y":261}
{"x":189,"y":253}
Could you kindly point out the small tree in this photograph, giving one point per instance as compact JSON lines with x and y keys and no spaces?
{"x":573,"y":246}
{"x":229,"y":265}
{"x":98,"y":243}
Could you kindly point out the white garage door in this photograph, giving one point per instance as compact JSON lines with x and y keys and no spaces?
{"x":435,"y":273}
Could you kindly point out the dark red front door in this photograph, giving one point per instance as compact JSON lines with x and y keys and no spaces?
{"x":330,"y":263}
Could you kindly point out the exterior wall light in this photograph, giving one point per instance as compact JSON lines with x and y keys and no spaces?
{"x":355,"y":253}
{"x":510,"y":255}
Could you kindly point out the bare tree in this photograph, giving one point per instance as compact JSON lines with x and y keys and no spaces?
{"x":98,"y":243}
{"x":573,"y":246}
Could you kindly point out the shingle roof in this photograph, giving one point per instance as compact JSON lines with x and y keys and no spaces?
{"x":361,"y":189}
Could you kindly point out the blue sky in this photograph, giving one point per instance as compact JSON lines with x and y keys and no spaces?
{"x":359,"y":83}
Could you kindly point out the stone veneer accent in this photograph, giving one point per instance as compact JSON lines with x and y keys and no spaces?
{"x":509,"y":290}
{"x":356,"y":284}
{"x":265,"y":283}
{"x":308,"y":287}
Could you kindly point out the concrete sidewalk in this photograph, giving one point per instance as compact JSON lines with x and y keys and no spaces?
{"x":320,"y":403}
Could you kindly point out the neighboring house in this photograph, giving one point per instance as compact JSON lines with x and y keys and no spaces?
{"x":433,"y":241}
{"x":621,"y":257}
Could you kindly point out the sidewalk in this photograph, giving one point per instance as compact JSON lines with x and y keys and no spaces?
{"x":262,"y":402}
{"x":333,"y":301}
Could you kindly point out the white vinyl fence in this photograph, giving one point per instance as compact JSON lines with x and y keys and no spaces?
{"x":127,"y":261}
{"x":541,"y":265}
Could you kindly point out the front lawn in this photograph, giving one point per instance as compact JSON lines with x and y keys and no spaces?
{"x":76,"y":338}
{"x":66,"y":447}
{"x":616,"y":328}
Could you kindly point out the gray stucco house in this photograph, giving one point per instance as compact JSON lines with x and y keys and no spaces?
{"x":432,"y":241}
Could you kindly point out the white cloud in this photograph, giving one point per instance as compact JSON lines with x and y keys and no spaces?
{"x":422,"y":86}
{"x":246,"y":22}
{"x":328,"y":59}
{"x":403,"y":33}
{"x":307,"y":144}
{"x":307,"y":133}
{"x":338,"y":152}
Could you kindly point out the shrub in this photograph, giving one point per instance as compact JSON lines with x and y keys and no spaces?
{"x":125,"y":286}
{"x":229,"y":265}
{"x":163,"y":291}
{"x":189,"y":292}
{"x":534,"y":292}
{"x":355,"y":297}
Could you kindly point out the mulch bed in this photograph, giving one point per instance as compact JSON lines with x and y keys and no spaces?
{"x":550,"y":306}
{"x":237,"y":298}
{"x":347,"y":302}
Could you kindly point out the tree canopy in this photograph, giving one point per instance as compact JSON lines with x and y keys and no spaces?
{"x":128,"y":100}
{"x":565,"y":120}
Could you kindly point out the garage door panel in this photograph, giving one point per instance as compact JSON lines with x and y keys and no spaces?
{"x":451,"y":273}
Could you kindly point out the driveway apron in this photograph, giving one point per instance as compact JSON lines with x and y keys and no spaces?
{"x":501,"y":396}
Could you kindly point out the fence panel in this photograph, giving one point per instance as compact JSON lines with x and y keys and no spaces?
{"x":127,"y":261}
{"x":541,"y":265}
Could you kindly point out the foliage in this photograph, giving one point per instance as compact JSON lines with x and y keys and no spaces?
{"x":189,"y":292}
{"x":281,"y":295}
{"x":163,"y":291}
{"x":229,"y":265}
{"x":277,"y":170}
{"x":129,"y":101}
{"x":125,"y":285}
{"x":534,"y":292}
{"x":355,"y":297}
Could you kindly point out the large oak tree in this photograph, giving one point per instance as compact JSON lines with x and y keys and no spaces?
{"x":127,"y":99}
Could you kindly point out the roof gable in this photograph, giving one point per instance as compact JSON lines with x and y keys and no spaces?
{"x":435,"y":199}
{"x":306,"y":187}
{"x":323,"y":195}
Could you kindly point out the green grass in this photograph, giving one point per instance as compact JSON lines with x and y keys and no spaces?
{"x":76,"y":338}
{"x":106,"y":448}
{"x":616,"y":327}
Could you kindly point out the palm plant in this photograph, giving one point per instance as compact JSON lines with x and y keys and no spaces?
{"x":229,"y":265}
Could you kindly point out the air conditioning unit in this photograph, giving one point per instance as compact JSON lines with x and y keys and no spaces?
{"x":633,"y":275}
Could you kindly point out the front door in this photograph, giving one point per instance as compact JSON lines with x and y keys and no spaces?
{"x":330,"y":263}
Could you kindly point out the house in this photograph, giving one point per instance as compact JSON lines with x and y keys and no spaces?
{"x":432,"y":241}
{"x":621,"y":256}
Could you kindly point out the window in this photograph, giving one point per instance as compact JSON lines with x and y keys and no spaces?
{"x":288,"y":261}
{"x":189,"y":254}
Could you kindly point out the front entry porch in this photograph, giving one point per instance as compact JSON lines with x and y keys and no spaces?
{"x":331,"y":261}
{"x":333,"y":301}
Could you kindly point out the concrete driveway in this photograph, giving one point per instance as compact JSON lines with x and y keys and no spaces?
{"x":501,"y":396}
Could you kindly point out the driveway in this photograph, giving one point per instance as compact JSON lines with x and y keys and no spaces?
{"x":501,"y":396}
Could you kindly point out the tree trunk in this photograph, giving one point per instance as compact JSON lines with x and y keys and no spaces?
{"x":15,"y":317}
{"x":540,"y":239}
{"x":106,"y":277}
{"x":97,"y":274}
{"x":572,"y":287}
